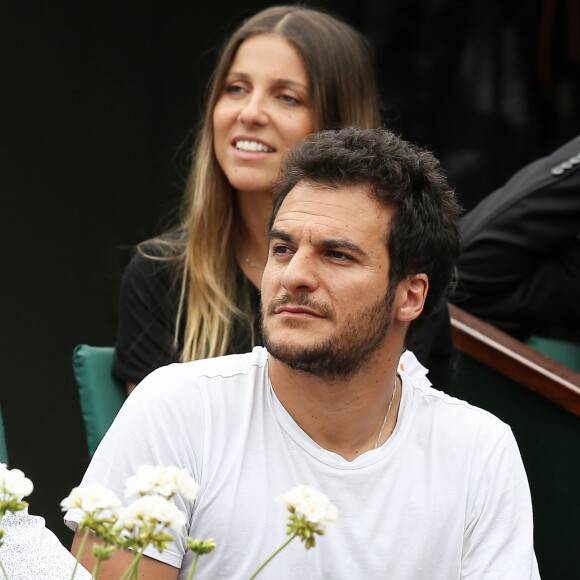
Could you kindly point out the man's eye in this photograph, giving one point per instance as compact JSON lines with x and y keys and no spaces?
{"x":338,"y":255}
{"x":280,"y":250}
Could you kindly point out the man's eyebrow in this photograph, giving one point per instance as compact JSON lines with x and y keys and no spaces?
{"x":331,"y":243}
{"x":279,"y":235}
{"x":341,"y":244}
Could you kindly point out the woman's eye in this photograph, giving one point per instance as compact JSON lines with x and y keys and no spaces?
{"x":234,"y":90}
{"x":290,"y":100}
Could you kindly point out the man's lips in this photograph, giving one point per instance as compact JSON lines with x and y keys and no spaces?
{"x":297,"y":310}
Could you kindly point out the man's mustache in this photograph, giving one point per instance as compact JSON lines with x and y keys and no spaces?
{"x":302,"y":299}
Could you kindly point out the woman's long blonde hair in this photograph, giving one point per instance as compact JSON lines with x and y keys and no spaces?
{"x":343,"y":92}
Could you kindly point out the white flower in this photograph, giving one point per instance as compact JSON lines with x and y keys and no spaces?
{"x":91,"y":498}
{"x":312,"y":504}
{"x":165,"y":481}
{"x":150,"y":508}
{"x":14,"y":484}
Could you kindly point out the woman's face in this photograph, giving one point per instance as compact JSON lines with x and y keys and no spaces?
{"x":263,"y":109}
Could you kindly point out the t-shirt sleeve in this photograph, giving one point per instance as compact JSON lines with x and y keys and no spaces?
{"x":147,"y":310}
{"x":498,"y":540}
{"x":161,"y":423}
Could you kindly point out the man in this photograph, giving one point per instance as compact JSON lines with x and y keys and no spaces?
{"x":363,"y":240}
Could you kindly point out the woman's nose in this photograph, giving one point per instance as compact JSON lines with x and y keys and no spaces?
{"x":253,"y":110}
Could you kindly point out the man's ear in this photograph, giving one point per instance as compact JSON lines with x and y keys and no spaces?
{"x":411,"y":295}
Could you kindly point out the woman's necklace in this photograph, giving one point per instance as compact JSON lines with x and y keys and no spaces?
{"x":387,"y":415}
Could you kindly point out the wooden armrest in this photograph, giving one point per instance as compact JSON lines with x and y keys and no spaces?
{"x":515,"y":359}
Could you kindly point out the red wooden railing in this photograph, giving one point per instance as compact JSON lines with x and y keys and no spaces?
{"x":515,"y":359}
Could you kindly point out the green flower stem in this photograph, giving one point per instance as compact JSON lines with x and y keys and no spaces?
{"x":97,"y":569}
{"x":3,"y":570}
{"x":132,"y":569}
{"x":273,"y":556}
{"x":80,"y":552}
{"x":193,"y":567}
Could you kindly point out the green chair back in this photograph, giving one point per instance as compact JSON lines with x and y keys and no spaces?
{"x":3,"y":447}
{"x":101,"y":394}
{"x":565,"y":352}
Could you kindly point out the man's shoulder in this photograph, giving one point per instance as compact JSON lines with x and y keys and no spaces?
{"x":222,"y":369}
{"x":188,"y":391}
{"x":230,"y":365}
{"x":456,"y":414}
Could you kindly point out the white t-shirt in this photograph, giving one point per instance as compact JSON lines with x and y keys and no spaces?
{"x":445,"y":497}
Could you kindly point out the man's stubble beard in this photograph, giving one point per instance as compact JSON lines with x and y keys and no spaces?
{"x":344,"y":353}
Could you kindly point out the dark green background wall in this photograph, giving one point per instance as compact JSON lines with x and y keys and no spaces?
{"x":97,"y":102}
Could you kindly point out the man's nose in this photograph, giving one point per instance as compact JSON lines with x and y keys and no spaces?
{"x":300,"y":273}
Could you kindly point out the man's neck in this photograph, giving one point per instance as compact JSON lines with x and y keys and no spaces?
{"x":344,"y":416}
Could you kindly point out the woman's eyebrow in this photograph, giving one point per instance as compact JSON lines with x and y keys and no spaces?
{"x":238,"y":75}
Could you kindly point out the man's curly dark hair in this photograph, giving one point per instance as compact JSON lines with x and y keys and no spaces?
{"x":423,"y":236}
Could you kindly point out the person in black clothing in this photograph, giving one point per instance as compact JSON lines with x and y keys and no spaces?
{"x":519,"y":267}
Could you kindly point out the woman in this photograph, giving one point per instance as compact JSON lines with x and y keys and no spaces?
{"x":193,"y":292}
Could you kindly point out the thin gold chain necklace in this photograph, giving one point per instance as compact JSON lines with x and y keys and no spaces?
{"x":387,"y":414}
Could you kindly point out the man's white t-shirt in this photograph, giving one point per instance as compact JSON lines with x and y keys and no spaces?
{"x":445,"y":497}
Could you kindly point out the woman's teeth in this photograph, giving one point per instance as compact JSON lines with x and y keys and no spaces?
{"x":252,"y":146}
